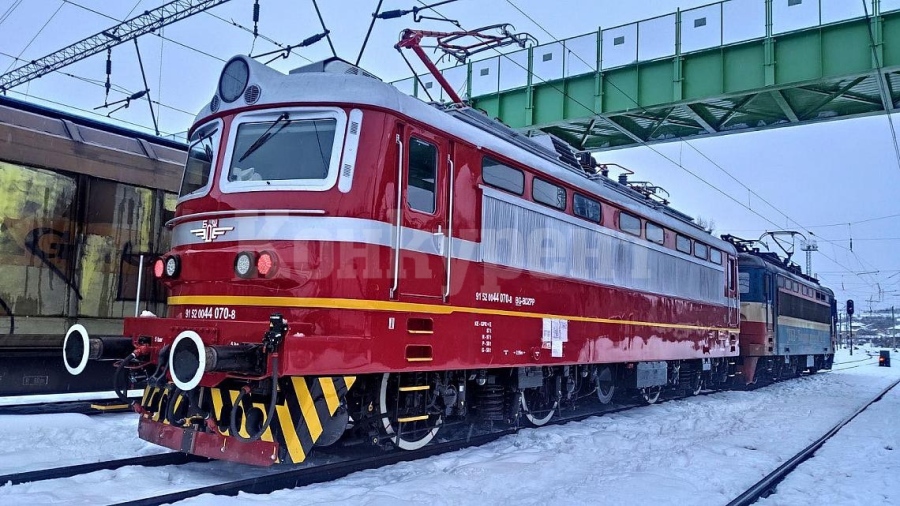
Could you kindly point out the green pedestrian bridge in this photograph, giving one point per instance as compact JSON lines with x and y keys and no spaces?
{"x":727,"y":67}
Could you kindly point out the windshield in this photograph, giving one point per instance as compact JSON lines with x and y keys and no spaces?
{"x":282,"y":149}
{"x":201,"y":154}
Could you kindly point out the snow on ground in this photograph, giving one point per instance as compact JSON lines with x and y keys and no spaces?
{"x":703,"y":450}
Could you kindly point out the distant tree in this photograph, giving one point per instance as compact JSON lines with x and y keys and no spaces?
{"x":708,"y":225}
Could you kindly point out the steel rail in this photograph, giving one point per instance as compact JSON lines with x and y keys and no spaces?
{"x":767,"y":486}
{"x":82,"y":407}
{"x":293,"y":478}
{"x":162,"y":459}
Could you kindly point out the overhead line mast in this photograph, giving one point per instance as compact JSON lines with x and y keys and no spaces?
{"x":148,"y":22}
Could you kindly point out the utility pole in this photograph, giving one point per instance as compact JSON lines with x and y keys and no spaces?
{"x":893,"y":342}
{"x":809,"y":247}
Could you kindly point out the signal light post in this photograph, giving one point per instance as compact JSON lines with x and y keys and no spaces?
{"x":850,"y":322}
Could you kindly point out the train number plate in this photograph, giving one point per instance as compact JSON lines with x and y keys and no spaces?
{"x":210,"y":313}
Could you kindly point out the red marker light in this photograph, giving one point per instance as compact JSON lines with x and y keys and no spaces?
{"x":159,"y":268}
{"x":265,"y":264}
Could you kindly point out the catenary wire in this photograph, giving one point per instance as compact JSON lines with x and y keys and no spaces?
{"x":649,"y":146}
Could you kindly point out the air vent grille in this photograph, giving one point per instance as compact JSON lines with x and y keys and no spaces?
{"x":214,"y":105}
{"x":251,"y":95}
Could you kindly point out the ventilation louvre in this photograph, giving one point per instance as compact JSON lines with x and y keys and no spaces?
{"x":214,"y":105}
{"x":251,"y":95}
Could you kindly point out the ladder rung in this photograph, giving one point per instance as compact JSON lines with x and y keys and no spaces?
{"x":412,"y":419}
{"x":413,"y":389}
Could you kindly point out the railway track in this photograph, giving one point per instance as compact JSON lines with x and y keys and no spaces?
{"x":163,"y":459}
{"x":331,"y":466}
{"x":88,"y":407}
{"x":768,"y":485}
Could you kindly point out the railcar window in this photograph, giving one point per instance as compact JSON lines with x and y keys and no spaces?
{"x":283,"y":149}
{"x":198,"y":167}
{"x":629,"y":224}
{"x":502,"y":176}
{"x":655,"y":233}
{"x":548,"y":193}
{"x":715,"y":256}
{"x":780,"y":282}
{"x":701,"y":250}
{"x":422,"y":175}
{"x":683,"y":244}
{"x":744,"y":282}
{"x":586,"y":208}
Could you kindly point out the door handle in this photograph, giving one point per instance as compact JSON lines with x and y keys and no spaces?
{"x":439,"y":239}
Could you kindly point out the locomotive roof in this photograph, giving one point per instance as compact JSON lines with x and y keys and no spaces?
{"x":358,"y":88}
{"x":774,"y":263}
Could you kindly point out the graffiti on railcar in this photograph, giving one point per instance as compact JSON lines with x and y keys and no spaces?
{"x":70,"y":246}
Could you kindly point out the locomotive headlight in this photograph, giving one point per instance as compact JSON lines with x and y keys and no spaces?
{"x":173,"y":266}
{"x":234,"y":79}
{"x":244,"y":264}
{"x":159,"y":268}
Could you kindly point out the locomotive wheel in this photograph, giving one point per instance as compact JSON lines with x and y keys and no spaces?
{"x":651,"y":394}
{"x":697,"y":383}
{"x":537,"y":406}
{"x":404,"y":406}
{"x":606,"y":386}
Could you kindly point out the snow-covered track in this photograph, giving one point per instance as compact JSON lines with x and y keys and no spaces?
{"x":163,"y":459}
{"x":308,"y":475}
{"x":87,"y":407}
{"x":768,"y":485}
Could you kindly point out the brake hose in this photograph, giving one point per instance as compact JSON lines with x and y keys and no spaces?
{"x":271,"y":413}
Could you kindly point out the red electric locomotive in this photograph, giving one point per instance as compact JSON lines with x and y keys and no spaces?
{"x":348,"y":257}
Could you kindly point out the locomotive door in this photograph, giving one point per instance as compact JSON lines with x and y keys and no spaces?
{"x":422,"y":250}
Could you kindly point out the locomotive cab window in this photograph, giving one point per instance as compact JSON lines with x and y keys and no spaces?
{"x":422,"y":175}
{"x":683,"y":244}
{"x":630,"y":224}
{"x":586,"y":208}
{"x":201,"y":160}
{"x":715,"y":256}
{"x":655,"y":233}
{"x":295,"y":149}
{"x":548,"y":193}
{"x":502,"y":176}
{"x":701,"y":250}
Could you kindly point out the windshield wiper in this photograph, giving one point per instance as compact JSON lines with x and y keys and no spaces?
{"x":268,"y":134}
{"x":205,"y":136}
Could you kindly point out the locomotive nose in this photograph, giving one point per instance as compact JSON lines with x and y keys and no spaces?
{"x":79,"y":347}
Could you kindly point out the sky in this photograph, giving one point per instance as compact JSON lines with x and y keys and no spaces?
{"x":837,"y":180}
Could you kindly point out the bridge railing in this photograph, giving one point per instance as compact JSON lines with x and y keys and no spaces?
{"x":686,"y":31}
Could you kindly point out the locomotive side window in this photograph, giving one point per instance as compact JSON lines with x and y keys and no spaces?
{"x":422,"y":175}
{"x":548,"y":193}
{"x":283,"y":149}
{"x":586,"y":208}
{"x":701,"y":250}
{"x":683,"y":244}
{"x":201,"y":155}
{"x":715,"y":256}
{"x":655,"y":233}
{"x":502,"y":176}
{"x":629,"y":224}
